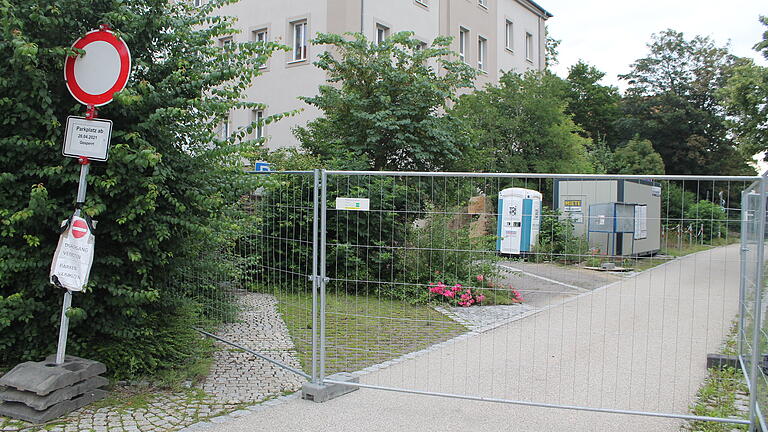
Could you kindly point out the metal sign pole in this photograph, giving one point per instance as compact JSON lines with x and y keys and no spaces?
{"x":82,"y":186}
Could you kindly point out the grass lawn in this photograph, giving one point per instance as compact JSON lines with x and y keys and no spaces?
{"x":363,"y":330}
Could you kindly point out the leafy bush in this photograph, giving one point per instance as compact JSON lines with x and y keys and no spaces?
{"x":707,"y":218}
{"x":164,"y":196}
{"x":557,"y":240}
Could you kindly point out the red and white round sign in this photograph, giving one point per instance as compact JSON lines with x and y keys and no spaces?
{"x":102,"y":71}
{"x":79,"y":228}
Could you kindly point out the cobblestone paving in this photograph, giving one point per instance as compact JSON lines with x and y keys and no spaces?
{"x":237,"y":376}
{"x":482,"y":318}
{"x":236,"y":382}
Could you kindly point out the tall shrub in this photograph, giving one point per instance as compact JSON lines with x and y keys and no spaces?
{"x":162,"y":198}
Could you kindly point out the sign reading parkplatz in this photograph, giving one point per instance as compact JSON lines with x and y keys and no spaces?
{"x":89,"y":138}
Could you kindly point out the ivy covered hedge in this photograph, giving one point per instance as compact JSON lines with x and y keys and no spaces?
{"x":163,"y":197}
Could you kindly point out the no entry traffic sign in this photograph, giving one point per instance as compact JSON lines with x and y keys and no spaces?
{"x":93,"y":78}
{"x":79,"y":228}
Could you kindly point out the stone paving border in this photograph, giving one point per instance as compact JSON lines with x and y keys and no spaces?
{"x":238,"y":384}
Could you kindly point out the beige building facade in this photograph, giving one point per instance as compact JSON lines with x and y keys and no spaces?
{"x":493,"y":36}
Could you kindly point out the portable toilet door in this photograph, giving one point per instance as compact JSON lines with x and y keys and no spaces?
{"x":519,"y":220}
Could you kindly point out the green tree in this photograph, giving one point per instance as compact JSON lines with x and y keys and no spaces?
{"x":637,"y":156}
{"x":168,"y":184}
{"x":382,"y":107}
{"x":671,"y":100}
{"x":744,"y":97}
{"x":594,"y":107}
{"x":520,"y":125}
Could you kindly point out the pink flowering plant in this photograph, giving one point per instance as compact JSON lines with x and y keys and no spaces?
{"x":456,"y":295}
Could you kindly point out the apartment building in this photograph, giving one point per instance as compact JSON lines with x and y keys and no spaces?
{"x":491,"y":35}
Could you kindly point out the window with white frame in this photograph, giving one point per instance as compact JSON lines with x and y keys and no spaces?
{"x":258,"y":117}
{"x":482,"y":53}
{"x":198,"y":3}
{"x":510,"y":35}
{"x":463,"y":38}
{"x":529,"y":46}
{"x":382,"y":33}
{"x":483,"y":3}
{"x":299,"y":40}
{"x":226,"y":42}
{"x":424,"y":3}
{"x":261,"y":35}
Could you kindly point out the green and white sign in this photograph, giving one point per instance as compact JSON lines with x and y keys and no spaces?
{"x":358,"y":204}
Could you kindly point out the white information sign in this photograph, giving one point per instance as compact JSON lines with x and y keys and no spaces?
{"x":359,"y":204}
{"x":576,"y":217}
{"x":74,"y":256}
{"x":641,"y":222}
{"x":89,"y":138}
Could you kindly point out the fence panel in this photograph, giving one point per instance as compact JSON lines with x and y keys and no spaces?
{"x":752,"y":341}
{"x":256,"y":290}
{"x":611,"y":308}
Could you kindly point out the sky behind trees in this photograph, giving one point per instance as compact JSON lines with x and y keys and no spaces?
{"x":611,"y":35}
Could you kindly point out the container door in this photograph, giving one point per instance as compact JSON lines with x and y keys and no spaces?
{"x":511,"y":229}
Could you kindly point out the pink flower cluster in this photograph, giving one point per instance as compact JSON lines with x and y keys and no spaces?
{"x":516,"y":296}
{"x":456,"y":294}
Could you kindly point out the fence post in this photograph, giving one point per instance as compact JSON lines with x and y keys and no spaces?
{"x":743,"y":275}
{"x":315,"y":276}
{"x":323,"y":226}
{"x":757,"y":308}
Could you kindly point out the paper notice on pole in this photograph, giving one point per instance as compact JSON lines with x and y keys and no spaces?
{"x":74,"y":255}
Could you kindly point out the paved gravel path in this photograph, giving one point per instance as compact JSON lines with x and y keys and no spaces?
{"x":240,"y":377}
{"x":237,"y":380}
{"x":637,"y":344}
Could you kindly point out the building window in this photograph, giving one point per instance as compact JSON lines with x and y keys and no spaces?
{"x":382,"y":33}
{"x":424,"y":3}
{"x":224,"y":129}
{"x":198,"y":3}
{"x":510,"y":36}
{"x":482,"y":53}
{"x":483,"y":3}
{"x":421,"y":46}
{"x":261,"y":35}
{"x":259,"y":118}
{"x":463,"y":37}
{"x":529,"y":47}
{"x":226,"y":42}
{"x":299,"y":40}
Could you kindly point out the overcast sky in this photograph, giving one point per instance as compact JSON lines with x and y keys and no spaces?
{"x":612,"y":34}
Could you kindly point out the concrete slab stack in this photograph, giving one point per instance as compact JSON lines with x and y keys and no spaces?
{"x":38,"y":392}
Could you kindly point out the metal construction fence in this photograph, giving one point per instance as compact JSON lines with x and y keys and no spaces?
{"x":595,"y":292}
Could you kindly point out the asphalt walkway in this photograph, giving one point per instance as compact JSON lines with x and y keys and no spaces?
{"x":637,"y":344}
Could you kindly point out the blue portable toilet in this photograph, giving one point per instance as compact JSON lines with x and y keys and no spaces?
{"x":518,"y":221}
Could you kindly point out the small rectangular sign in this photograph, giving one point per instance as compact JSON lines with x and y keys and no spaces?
{"x":89,"y":138}
{"x":576,"y":217}
{"x":262,"y":166}
{"x":572,"y":205}
{"x":655,"y":191}
{"x":359,"y":204}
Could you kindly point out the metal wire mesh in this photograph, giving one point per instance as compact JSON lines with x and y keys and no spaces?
{"x":255,"y":291}
{"x":583,"y":318}
{"x":414,"y":281}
